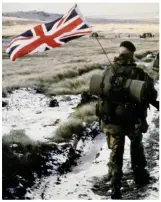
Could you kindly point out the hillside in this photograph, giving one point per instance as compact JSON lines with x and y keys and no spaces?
{"x":44,"y":16}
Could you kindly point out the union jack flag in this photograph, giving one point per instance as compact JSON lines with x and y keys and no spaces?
{"x":49,"y":35}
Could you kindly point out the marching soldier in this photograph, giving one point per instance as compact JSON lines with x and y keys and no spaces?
{"x":126,"y":118}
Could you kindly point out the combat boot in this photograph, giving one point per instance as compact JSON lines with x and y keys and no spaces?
{"x":141,"y":176}
{"x":116,"y":193}
{"x":109,"y":175}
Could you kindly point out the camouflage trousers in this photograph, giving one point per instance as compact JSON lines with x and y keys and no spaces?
{"x":116,"y":140}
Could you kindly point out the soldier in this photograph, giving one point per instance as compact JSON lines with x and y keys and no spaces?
{"x":119,"y":119}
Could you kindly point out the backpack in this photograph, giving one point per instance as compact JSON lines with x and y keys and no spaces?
{"x":117,"y":106}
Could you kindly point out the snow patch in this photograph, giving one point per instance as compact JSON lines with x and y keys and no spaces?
{"x":29,"y":111}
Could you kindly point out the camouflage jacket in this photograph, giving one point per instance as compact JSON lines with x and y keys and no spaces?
{"x":127,"y":67}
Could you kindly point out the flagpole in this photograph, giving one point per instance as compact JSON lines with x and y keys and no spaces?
{"x":105,"y":54}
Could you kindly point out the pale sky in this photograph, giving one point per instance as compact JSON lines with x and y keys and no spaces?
{"x":88,"y":9}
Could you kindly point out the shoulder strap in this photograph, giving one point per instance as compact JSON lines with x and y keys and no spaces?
{"x":137,"y":73}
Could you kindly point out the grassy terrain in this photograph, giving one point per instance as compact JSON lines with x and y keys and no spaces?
{"x":74,"y":125}
{"x":67,"y":70}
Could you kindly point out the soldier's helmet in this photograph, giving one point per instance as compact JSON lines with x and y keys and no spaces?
{"x":127,"y":47}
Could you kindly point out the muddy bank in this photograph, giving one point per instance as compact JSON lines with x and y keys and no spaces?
{"x":31,"y":162}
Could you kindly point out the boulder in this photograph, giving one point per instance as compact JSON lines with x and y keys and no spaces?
{"x":53,"y":103}
{"x":4,"y":103}
{"x":39,"y":89}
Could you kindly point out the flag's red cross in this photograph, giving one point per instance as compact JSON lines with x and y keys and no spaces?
{"x":49,"y":40}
